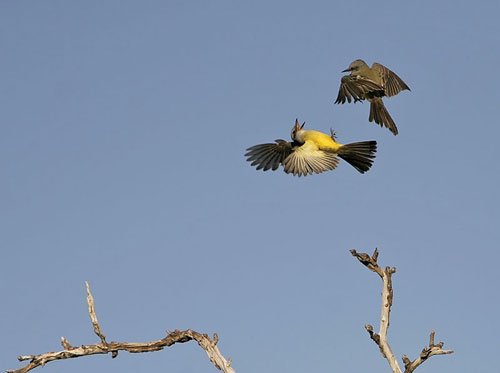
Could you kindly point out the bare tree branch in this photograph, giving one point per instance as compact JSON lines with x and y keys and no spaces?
{"x":380,"y":338}
{"x":93,"y":316}
{"x":427,"y":352}
{"x":177,"y":336}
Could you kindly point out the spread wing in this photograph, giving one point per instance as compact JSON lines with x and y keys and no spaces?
{"x":308,"y":159}
{"x":392,"y":83}
{"x":268,"y":156}
{"x":355,"y":88}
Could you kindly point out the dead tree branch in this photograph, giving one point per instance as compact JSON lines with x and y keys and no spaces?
{"x":380,"y":338}
{"x":177,"y":336}
{"x":427,"y":352}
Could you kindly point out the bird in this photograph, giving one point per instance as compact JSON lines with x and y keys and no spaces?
{"x":365,"y":83}
{"x":310,"y":152}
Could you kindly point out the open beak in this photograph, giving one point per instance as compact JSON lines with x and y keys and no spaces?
{"x":297,"y":126}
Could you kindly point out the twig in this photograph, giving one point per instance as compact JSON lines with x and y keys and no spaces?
{"x":177,"y":336}
{"x":380,"y":338}
{"x":427,"y":352}
{"x":93,"y":316}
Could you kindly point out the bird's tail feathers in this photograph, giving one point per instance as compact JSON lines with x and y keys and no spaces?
{"x":360,"y":155}
{"x":380,"y":115}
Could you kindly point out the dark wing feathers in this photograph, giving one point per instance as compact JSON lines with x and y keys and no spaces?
{"x":268,"y":156}
{"x":356,"y":88}
{"x":393,"y":84}
{"x":298,"y":160}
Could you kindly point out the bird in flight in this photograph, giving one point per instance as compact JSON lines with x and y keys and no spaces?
{"x":371,"y":83}
{"x":310,"y":152}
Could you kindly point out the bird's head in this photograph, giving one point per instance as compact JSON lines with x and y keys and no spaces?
{"x":296,"y":130}
{"x":355,"y":67}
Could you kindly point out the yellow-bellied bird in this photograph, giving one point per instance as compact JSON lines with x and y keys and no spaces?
{"x":365,"y":83}
{"x":311,"y":152}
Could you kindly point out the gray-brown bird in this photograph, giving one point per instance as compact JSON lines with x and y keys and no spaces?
{"x":365,"y":83}
{"x":311,"y":152}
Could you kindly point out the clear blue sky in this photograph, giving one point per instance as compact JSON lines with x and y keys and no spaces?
{"x":122,"y":133}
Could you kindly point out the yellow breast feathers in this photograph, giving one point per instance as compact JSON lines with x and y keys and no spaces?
{"x":322,"y":140}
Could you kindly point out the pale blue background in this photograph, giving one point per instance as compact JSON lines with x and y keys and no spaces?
{"x":122,"y":131}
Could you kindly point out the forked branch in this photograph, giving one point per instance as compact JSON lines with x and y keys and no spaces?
{"x":177,"y":336}
{"x":380,"y":338}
